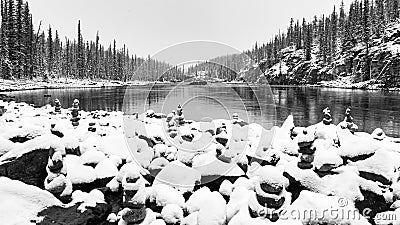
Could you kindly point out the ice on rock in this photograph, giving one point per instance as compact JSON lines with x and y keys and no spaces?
{"x":163,"y":195}
{"x":172,"y":214}
{"x":92,"y":157}
{"x":20,"y":203}
{"x":320,"y":203}
{"x":106,"y":168}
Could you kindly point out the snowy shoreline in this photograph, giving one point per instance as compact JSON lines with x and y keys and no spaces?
{"x":168,"y":170}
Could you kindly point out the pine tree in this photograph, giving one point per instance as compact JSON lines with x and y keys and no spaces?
{"x":50,"y":56}
{"x":80,"y":56}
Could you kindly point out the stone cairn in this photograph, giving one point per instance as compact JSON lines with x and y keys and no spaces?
{"x":306,"y":149}
{"x":134,"y":198}
{"x":75,"y":113}
{"x":180,"y":118}
{"x":221,"y":135}
{"x":270,"y":193}
{"x":57,"y":106}
{"x":56,"y":181}
{"x":92,"y":127}
{"x":327,"y":116}
{"x":171,"y":125}
{"x":349,"y":121}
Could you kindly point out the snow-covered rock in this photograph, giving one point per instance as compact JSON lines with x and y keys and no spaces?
{"x":20,"y":203}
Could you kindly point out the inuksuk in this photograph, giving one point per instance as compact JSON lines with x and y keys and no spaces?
{"x":57,"y":106}
{"x":75,"y":113}
{"x":56,"y":181}
{"x":270,"y":194}
{"x":134,"y":197}
{"x":180,"y":118}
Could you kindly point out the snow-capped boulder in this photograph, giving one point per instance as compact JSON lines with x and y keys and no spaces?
{"x":172,"y":214}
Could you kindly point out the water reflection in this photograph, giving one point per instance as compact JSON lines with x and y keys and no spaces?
{"x":370,"y":109}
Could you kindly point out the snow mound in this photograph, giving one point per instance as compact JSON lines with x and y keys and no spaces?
{"x":179,"y":176}
{"x":87,"y":199}
{"x":172,"y":214}
{"x":197,"y":199}
{"x":226,"y":188}
{"x":20,"y":203}
{"x":191,"y":219}
{"x":92,"y":157}
{"x":106,"y":168}
{"x":163,"y":195}
{"x":213,"y":212}
{"x":320,"y":203}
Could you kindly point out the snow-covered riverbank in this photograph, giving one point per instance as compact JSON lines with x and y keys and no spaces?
{"x":19,"y":85}
{"x":162,"y":169}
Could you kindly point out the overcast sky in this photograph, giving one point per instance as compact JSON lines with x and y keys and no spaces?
{"x":148,"y":26}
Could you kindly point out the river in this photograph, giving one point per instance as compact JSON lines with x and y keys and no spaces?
{"x":268,"y":106}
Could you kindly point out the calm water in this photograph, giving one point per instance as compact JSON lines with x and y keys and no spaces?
{"x":371,"y":109}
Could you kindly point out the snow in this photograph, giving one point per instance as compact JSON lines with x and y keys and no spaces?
{"x":163,"y":195}
{"x":197,"y":199}
{"x":20,"y":203}
{"x":213,"y":210}
{"x":46,"y":141}
{"x":191,"y":219}
{"x":172,"y":214}
{"x":158,"y":222}
{"x":87,"y":199}
{"x":321,"y":205}
{"x":92,"y":157}
{"x":382,"y":163}
{"x":106,"y":168}
{"x":80,"y":174}
{"x":179,"y":176}
{"x":226,"y":188}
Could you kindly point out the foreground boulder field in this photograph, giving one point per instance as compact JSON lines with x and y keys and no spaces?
{"x":68,"y":166}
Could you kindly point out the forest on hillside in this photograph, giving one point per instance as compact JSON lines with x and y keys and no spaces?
{"x":361,"y":42}
{"x":26,"y":53}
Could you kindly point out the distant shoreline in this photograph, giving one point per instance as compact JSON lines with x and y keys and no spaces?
{"x":31,"y":85}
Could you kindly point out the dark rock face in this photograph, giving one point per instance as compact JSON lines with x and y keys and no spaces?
{"x":371,"y":205}
{"x":71,"y":216}
{"x":30,"y":168}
